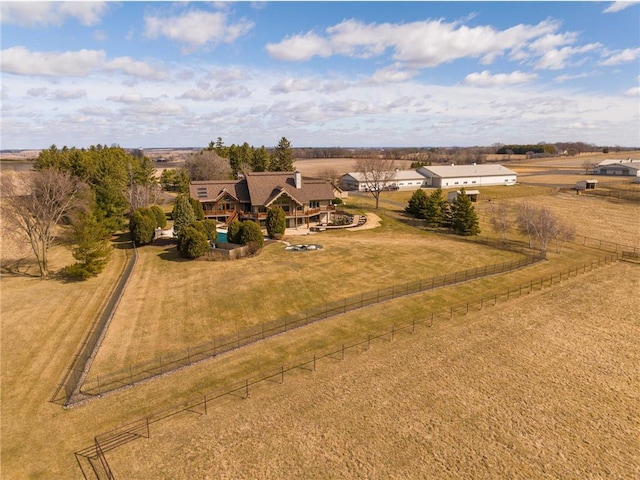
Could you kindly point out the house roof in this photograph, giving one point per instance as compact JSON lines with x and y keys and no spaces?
{"x":262,"y":188}
{"x":453,"y":171}
{"x":212,"y":190}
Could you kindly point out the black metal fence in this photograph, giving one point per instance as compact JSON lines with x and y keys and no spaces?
{"x":101,"y":384}
{"x":81,"y":361}
{"x":94,"y":456}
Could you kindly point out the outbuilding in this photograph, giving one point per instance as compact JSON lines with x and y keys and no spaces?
{"x":468,"y":175}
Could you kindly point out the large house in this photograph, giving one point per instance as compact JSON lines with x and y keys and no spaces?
{"x":305,"y":201}
{"x":627,"y":168}
{"x":451,"y":176}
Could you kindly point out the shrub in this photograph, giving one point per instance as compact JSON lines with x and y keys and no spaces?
{"x":161,"y":218}
{"x":210,"y":229}
{"x":233,"y":232}
{"x":192,"y":243}
{"x":276,"y":222}
{"x":197,"y":208}
{"x":251,"y":233}
{"x":142,"y":227}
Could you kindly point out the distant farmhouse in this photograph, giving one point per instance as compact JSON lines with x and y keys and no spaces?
{"x":446,"y":176}
{"x":625,"y":168}
{"x":305,"y":201}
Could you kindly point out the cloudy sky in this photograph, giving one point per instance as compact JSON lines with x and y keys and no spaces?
{"x":177,"y":74}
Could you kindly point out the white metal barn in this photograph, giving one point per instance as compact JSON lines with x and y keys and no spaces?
{"x":402,"y":180}
{"x":447,"y":176}
{"x":626,"y":168}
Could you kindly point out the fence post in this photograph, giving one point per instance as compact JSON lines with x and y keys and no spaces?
{"x":239,"y":338}
{"x":342,"y":352}
{"x":393,"y":331}
{"x":205,"y":404}
{"x":467,"y":307}
{"x":314,"y":362}
{"x":98,"y":380}
{"x":431,"y":325}
{"x":369,"y":342}
{"x":481,"y":303}
{"x":413,"y":327}
{"x":282,"y":374}
{"x":344,"y":310}
{"x":188,"y":355}
{"x":161,"y":364}
{"x":130,"y":375}
{"x":246,"y":389}
{"x":451,"y":315}
{"x":495,"y":299}
{"x":214,"y":345}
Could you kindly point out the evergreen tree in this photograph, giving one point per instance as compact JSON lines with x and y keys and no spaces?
{"x":417,"y":203}
{"x":282,"y":158}
{"x":233,"y":232}
{"x":183,"y":214}
{"x":260,"y":161}
{"x":197,"y":208}
{"x":210,"y":229}
{"x":464,"y":217}
{"x":276,"y":222}
{"x":435,"y":209}
{"x":90,"y":247}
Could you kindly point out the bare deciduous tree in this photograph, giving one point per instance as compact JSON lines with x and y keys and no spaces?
{"x":378,"y":174}
{"x":36,"y":204}
{"x":207,"y":165}
{"x":588,"y":166}
{"x":143,"y":195}
{"x":541,"y":225}
{"x":499,"y":216}
{"x":330,"y":174}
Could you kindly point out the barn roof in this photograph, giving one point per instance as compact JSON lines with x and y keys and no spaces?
{"x":454,"y":171}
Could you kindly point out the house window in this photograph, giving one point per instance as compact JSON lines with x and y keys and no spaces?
{"x":314,"y":204}
{"x":466,"y":183}
{"x":456,"y":183}
{"x":473,"y":181}
{"x":202,"y":192}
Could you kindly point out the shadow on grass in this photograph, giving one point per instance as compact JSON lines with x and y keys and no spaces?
{"x":19,"y":267}
{"x":122,"y":241}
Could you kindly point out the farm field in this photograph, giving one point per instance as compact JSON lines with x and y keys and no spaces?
{"x":40,"y":337}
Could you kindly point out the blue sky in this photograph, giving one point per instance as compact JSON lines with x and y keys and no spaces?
{"x":180,"y":74}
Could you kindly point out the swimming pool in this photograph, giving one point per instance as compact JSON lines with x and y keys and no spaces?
{"x":222,"y":237}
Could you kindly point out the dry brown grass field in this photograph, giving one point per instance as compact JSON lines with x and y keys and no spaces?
{"x":543,"y":386}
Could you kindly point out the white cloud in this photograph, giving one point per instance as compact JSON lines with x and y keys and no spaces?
{"x":418,"y":44}
{"x":300,"y":47}
{"x":21,"y":61}
{"x":100,"y":36}
{"x":196,"y":29}
{"x":632,"y":92}
{"x":618,"y":6}
{"x":625,"y":56}
{"x":127,"y":98}
{"x":220,"y":93}
{"x":564,"y":78}
{"x":486,"y":79}
{"x":293,"y":85}
{"x":392,"y":73}
{"x":129,"y":66}
{"x":32,"y":14}
{"x":556,"y":59}
{"x":37,"y":92}
{"x":65,"y":95}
